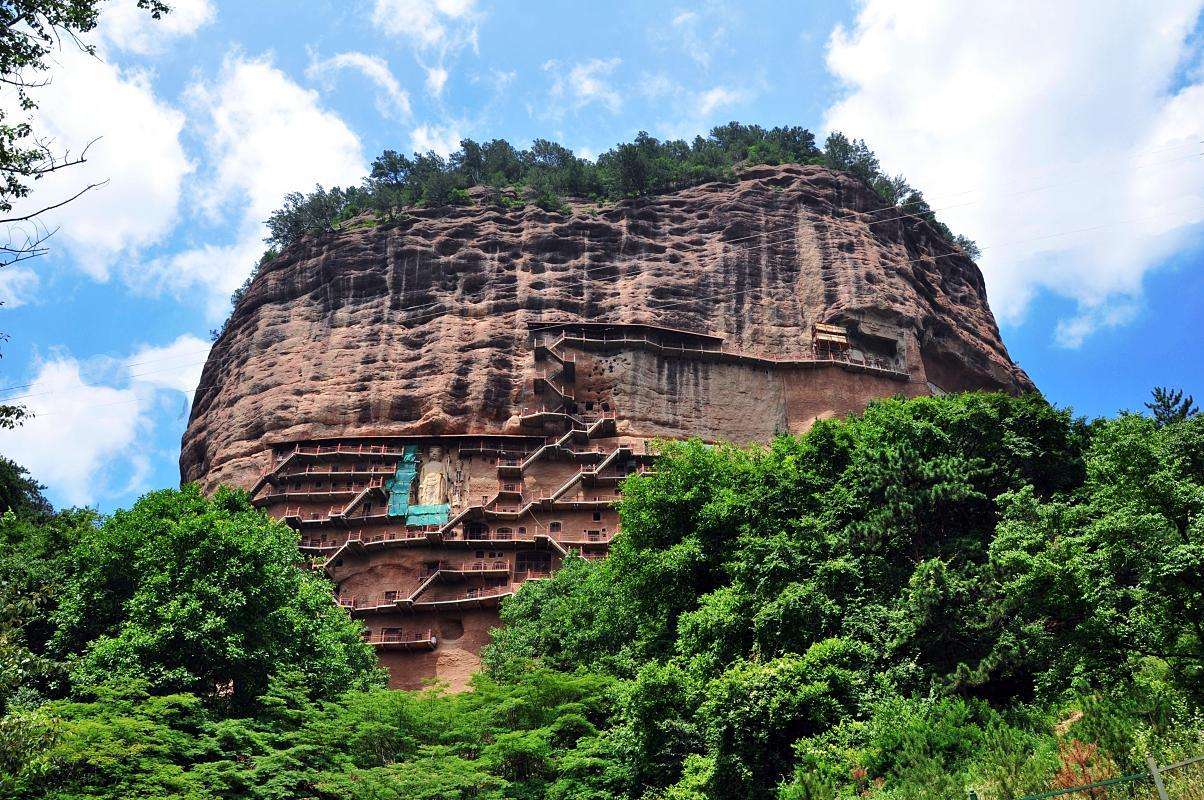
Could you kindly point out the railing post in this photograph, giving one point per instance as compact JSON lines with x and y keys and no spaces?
{"x":1156,"y":774}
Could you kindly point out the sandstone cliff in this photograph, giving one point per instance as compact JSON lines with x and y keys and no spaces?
{"x":420,"y":327}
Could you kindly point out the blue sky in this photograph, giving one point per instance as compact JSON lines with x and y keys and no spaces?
{"x":1065,"y":139}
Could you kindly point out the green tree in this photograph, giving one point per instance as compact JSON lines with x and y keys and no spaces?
{"x":35,"y":547}
{"x":20,"y":493}
{"x":203,"y":595}
{"x":1169,"y":405}
{"x":548,"y":174}
{"x":1102,"y":581}
{"x":939,"y":594}
{"x":851,"y":155}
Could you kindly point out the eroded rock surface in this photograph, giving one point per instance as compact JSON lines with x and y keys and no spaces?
{"x":421,"y":327}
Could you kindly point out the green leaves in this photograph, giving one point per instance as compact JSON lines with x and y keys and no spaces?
{"x":547,"y":173}
{"x":940,"y":594}
{"x":513,"y":740}
{"x":202,"y":595}
{"x":1114,"y":574}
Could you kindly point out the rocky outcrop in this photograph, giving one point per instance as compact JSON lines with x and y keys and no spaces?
{"x":421,"y":326}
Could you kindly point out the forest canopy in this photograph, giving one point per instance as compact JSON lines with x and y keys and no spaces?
{"x":941,"y":594}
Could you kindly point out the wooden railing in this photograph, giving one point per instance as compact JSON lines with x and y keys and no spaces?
{"x":337,"y":469}
{"x":317,"y":542}
{"x":401,"y":637}
{"x":382,"y":514}
{"x":324,"y":492}
{"x":404,"y":535}
{"x":380,"y":600}
{"x":484,"y":594}
{"x":481,"y":566}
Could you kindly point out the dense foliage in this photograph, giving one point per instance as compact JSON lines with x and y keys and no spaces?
{"x":944,"y":593}
{"x":979,"y":556}
{"x":502,"y":740}
{"x":179,"y":593}
{"x":547,"y":173}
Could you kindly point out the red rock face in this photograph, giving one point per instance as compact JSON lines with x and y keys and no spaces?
{"x":421,"y":328}
{"x":724,"y":311}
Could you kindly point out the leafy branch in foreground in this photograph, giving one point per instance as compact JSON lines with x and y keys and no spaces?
{"x":29,"y":31}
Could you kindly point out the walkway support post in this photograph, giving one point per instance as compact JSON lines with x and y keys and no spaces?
{"x":1156,"y":774}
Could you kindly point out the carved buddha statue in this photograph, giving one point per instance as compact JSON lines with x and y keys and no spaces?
{"x":434,"y":479}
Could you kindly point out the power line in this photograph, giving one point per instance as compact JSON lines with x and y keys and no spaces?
{"x":90,"y":409}
{"x":128,"y":364}
{"x":130,"y":376}
{"x":947,"y":255}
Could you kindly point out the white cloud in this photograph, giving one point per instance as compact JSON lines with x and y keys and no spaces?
{"x":83,"y":436}
{"x":87,"y":438}
{"x":443,"y":139}
{"x":17,"y":286}
{"x":699,"y":32}
{"x":659,"y":85}
{"x":265,"y":136}
{"x":1028,"y":123}
{"x":502,"y":79}
{"x":130,"y":28}
{"x":391,"y":101}
{"x":438,"y":28}
{"x":585,"y":83}
{"x":436,"y":79}
{"x":428,"y":22}
{"x":1092,"y":317}
{"x":715,"y":98}
{"x":175,"y":366}
{"x":138,"y":153}
{"x":216,"y":269}
{"x":688,"y":112}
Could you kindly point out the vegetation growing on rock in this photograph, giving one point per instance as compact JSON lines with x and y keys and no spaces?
{"x":548,"y":173}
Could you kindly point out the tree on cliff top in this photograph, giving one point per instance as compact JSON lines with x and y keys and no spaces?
{"x":547,"y":173}
{"x":1169,"y":405}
